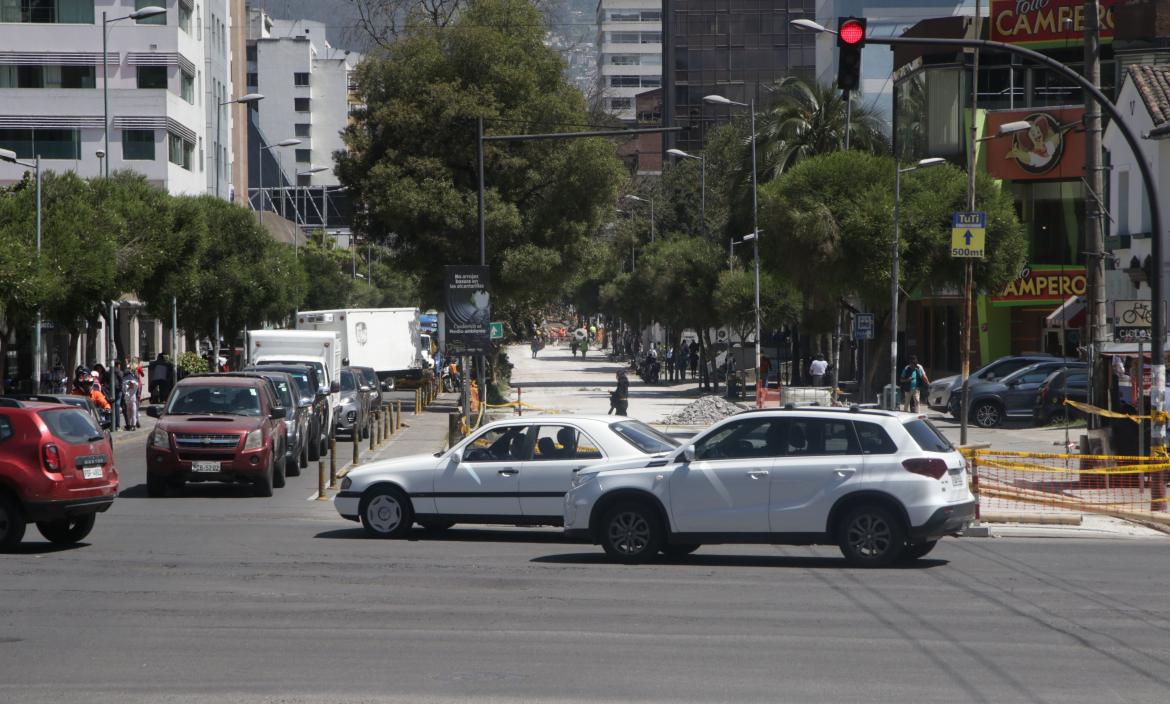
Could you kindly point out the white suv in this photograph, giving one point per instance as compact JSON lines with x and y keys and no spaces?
{"x":881,"y":485}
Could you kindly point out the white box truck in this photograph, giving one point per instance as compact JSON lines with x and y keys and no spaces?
{"x":320,"y":350}
{"x":387,"y":339}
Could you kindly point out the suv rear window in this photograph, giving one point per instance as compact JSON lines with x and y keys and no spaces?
{"x":643,"y":437}
{"x":71,"y":426}
{"x":927,"y":436}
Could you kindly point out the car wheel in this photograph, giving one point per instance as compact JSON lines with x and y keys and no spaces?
{"x":870,"y":536}
{"x":386,"y":513}
{"x":436,"y":526}
{"x":156,"y":485}
{"x":68,"y":530}
{"x":630,"y":532}
{"x":263,"y":484}
{"x":313,"y":442}
{"x":304,"y":454}
{"x":365,"y":431}
{"x":679,"y":549}
{"x":913,"y":552}
{"x":12,"y":523}
{"x":986,"y":414}
{"x":278,"y":470}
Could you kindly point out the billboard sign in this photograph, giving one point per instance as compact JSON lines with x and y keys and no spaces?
{"x":1043,"y":285}
{"x":1039,"y":24}
{"x":1051,"y":148}
{"x":469,"y":310}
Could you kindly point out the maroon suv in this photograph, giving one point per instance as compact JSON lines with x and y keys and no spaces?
{"x":56,"y":469}
{"x":217,"y":428}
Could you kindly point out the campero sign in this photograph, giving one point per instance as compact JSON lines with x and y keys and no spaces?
{"x":1041,"y":23}
{"x":1042,"y":285}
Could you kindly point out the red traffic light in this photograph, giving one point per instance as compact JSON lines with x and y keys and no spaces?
{"x":852,"y":31}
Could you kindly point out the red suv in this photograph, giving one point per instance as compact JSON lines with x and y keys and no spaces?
{"x":56,"y":469}
{"x":217,"y":428}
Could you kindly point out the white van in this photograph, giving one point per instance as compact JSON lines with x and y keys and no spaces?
{"x":388,"y":340}
{"x":321,"y":350}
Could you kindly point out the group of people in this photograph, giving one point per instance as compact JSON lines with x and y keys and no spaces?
{"x":125,"y":395}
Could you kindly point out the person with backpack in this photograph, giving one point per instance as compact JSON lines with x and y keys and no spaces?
{"x":913,"y":380}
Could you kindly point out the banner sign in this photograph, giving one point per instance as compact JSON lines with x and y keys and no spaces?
{"x":1052,"y":148}
{"x":968,"y":234}
{"x":468,"y":309}
{"x":1042,"y":285}
{"x":1041,"y":23}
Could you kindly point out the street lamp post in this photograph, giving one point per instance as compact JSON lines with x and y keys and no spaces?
{"x":303,"y":220}
{"x":10,"y":156}
{"x":144,"y":13}
{"x":650,"y":202}
{"x":702,"y":182}
{"x":242,"y":100}
{"x":751,"y":105}
{"x":281,"y":143}
{"x":894,"y":262}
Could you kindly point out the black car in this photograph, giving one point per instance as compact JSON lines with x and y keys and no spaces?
{"x":368,"y":382}
{"x":308,"y":387}
{"x":1071,"y":384}
{"x":1014,"y":396}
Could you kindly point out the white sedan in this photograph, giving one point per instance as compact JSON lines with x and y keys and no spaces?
{"x":513,"y":472}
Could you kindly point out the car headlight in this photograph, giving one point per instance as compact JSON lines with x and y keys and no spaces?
{"x":583,"y":478}
{"x":254,"y":441}
{"x":346,"y":483}
{"x":158,"y":437}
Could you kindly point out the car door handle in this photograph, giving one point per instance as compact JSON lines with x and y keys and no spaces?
{"x":578,"y":469}
{"x":507,"y":472}
{"x":758,"y":474}
{"x":844,"y":472}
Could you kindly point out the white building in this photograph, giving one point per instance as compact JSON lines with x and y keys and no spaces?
{"x":629,"y":57}
{"x":306,"y":88}
{"x":164,"y":73}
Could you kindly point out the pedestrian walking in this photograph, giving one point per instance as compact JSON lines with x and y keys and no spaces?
{"x":694,"y":360}
{"x":913,"y":380}
{"x":619,"y":398}
{"x":765,"y":367}
{"x":162,"y":376}
{"x":816,"y":370}
{"x":670,"y":362}
{"x":130,"y":390}
{"x":117,"y":393}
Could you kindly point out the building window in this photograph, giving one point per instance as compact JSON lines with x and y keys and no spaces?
{"x":651,"y":81}
{"x":300,"y":79}
{"x":180,"y":151}
{"x":253,"y":80}
{"x":152,"y":77}
{"x":624,"y":37}
{"x":651,"y":15}
{"x":301,"y":104}
{"x":624,"y":81}
{"x":621,"y":103}
{"x":304,"y":180}
{"x":623,"y":59}
{"x":138,"y":145}
{"x":651,"y":37}
{"x":624,"y":16}
{"x":48,"y":144}
{"x":184,"y":17}
{"x":303,"y":156}
{"x":47,"y":76}
{"x":187,"y":87}
{"x":47,"y":11}
{"x":157,"y":19}
{"x":302,"y":130}
{"x":250,"y":53}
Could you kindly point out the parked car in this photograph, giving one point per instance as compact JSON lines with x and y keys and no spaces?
{"x":881,"y":485}
{"x":514,"y":472}
{"x":100,"y":416}
{"x":368,"y":380}
{"x":309,"y":388}
{"x":353,"y":412}
{"x":1071,"y":384}
{"x":220,"y":428}
{"x":939,"y":394}
{"x":56,"y":470}
{"x":1014,"y":396}
{"x":297,"y":412}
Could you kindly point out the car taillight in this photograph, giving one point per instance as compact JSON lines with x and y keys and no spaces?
{"x":927,"y":467}
{"x":1043,"y":392}
{"x":51,"y":456}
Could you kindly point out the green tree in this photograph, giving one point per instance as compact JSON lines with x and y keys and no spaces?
{"x":734,"y":300}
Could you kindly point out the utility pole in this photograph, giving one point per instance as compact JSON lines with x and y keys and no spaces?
{"x":1094,"y":231}
{"x":968,"y":273}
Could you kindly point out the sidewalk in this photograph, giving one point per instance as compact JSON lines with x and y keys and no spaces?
{"x":425,"y":433}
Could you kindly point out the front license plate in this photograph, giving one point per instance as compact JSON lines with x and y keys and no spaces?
{"x":205,"y":467}
{"x":92,"y":473}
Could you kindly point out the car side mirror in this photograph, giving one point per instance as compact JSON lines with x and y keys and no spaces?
{"x":277,"y":413}
{"x":335,"y":387}
{"x":688,"y":453}
{"x":456,"y":456}
{"x":154,"y":411}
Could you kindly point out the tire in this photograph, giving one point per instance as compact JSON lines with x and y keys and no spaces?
{"x":304,"y":454}
{"x":67,"y":531}
{"x":156,"y":486}
{"x":435,"y":526}
{"x":292,"y":467}
{"x":631,"y":532}
{"x":262,"y":486}
{"x":986,"y":414}
{"x":680,"y":549}
{"x":386,"y":513}
{"x":313,"y":443}
{"x":919,"y":550}
{"x":871,"y":536}
{"x":278,"y":468}
{"x":12,"y":523}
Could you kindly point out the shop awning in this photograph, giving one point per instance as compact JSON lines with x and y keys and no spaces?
{"x":1070,"y":314}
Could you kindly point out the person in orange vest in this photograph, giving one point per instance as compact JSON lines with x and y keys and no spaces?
{"x":83,"y":386}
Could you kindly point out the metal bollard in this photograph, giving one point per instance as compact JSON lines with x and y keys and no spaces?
{"x":386,"y":421}
{"x":397,"y":416}
{"x":321,"y":480}
{"x":417,"y":401}
{"x":333,"y":463}
{"x":357,"y":447}
{"x":370,"y":425}
{"x":376,"y":428}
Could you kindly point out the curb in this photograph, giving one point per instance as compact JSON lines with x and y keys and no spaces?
{"x":1041,"y":519}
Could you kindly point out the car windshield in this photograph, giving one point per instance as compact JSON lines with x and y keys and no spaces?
{"x":371,"y":377}
{"x":317,"y":367}
{"x":215,"y":400}
{"x":643,"y":437}
{"x":71,"y":426}
{"x":927,"y":436}
{"x":304,"y":382}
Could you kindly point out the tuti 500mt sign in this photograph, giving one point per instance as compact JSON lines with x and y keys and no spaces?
{"x":1041,"y":23}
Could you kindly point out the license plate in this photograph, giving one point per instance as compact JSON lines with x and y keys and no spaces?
{"x":957,"y":479}
{"x":205,"y":467}
{"x":92,"y":473}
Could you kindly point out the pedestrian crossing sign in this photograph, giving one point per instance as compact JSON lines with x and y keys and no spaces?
{"x":968,"y":235}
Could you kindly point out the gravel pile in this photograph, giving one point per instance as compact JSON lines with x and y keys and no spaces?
{"x":704,"y":411}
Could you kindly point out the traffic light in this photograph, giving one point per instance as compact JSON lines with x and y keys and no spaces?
{"x":850,"y":41}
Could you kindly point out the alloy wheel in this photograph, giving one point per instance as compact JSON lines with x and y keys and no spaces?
{"x":629,"y":533}
{"x":869,"y":535}
{"x":384,"y":513}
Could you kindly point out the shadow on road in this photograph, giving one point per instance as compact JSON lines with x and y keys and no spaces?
{"x":598,"y":558}
{"x":461,"y":535}
{"x":42,"y":548}
{"x":194,"y":491}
